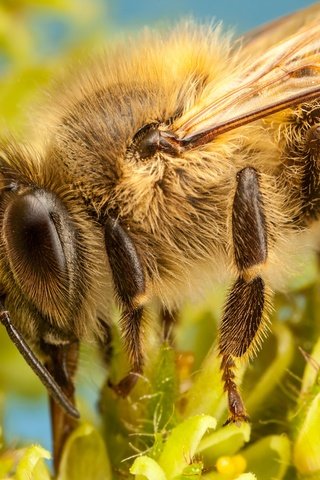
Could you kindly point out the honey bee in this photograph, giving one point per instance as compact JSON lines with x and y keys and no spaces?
{"x":163,"y":163}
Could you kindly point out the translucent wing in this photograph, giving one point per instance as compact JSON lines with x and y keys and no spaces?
{"x":285,"y":75}
{"x":271,"y":33}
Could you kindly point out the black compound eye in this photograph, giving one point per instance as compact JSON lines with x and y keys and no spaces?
{"x":146,"y":140}
{"x":32,"y":241}
{"x":149,"y":140}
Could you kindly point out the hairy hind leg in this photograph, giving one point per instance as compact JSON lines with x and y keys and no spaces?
{"x":244,"y":307}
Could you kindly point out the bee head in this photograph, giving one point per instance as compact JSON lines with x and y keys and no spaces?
{"x":44,"y":265}
{"x":38,"y":245}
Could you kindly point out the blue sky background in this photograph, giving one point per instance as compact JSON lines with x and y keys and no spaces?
{"x":54,"y":32}
{"x":243,"y":14}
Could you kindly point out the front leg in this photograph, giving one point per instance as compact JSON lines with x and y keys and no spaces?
{"x":168,"y":320}
{"x":62,"y":361}
{"x":129,"y":285}
{"x":243,"y":313}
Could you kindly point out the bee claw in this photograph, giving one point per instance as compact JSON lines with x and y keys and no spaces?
{"x":237,"y":419}
{"x":124,"y":387}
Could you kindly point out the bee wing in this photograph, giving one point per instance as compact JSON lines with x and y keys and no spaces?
{"x":284,"y":76}
{"x":262,"y":38}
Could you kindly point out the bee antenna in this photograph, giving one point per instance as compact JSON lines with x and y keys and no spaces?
{"x":39,"y":369}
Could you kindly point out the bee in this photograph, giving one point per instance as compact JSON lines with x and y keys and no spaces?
{"x":164,"y":163}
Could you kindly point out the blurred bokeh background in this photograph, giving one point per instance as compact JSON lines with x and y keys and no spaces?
{"x":36,"y":34}
{"x":37,"y":38}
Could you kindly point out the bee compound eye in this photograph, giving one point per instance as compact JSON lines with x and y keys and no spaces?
{"x":150,"y":140}
{"x":146,"y":140}
{"x":32,"y":241}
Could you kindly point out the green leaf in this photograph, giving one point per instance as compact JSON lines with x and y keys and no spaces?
{"x":175,"y":461}
{"x":269,"y":457}
{"x":311,"y":372}
{"x":182,"y":444}
{"x":225,"y":441}
{"x":272,"y":376}
{"x":148,"y":468}
{"x":31,"y":464}
{"x":163,"y":394}
{"x":84,"y":456}
{"x":206,"y":394}
{"x":306,"y":451}
{"x":191,"y":472}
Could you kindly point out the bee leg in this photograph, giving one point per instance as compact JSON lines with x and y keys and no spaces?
{"x":62,"y":363}
{"x":310,"y":182}
{"x":105,"y":342}
{"x":129,"y":284}
{"x":244,"y":306}
{"x":168,"y":320}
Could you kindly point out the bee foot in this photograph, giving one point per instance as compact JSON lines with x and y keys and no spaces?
{"x":237,"y":419}
{"x":124,"y":387}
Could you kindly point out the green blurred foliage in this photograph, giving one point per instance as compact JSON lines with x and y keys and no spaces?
{"x":26,"y":67}
{"x":171,"y":426}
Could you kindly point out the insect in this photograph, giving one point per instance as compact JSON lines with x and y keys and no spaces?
{"x":162,"y":163}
